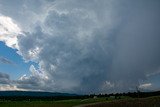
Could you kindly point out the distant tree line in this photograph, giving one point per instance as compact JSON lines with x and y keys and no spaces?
{"x":137,"y":94}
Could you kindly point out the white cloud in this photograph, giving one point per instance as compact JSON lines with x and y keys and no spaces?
{"x":10,"y":88}
{"x":145,"y":86}
{"x":109,"y":84}
{"x":157,"y":72}
{"x":9,"y":31}
{"x":38,"y":73}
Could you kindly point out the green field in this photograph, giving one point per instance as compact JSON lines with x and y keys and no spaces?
{"x":62,"y":103}
{"x":91,"y":102}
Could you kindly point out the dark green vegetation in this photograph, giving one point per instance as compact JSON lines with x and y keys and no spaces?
{"x":36,"y":99}
{"x":33,"y":94}
{"x":61,"y":103}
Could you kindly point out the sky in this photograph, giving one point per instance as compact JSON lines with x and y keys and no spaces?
{"x":80,"y":46}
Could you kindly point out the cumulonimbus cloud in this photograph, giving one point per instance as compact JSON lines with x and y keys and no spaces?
{"x":91,"y":46}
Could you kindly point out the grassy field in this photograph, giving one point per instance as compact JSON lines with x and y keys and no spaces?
{"x":124,"y":102}
{"x":135,"y":102}
{"x":62,"y":103}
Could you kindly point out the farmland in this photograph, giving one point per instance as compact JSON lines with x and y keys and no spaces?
{"x":48,"y":99}
{"x":135,"y":102}
{"x":90,"y":102}
{"x":61,"y":103}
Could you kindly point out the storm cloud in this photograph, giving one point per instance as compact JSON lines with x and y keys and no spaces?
{"x":89,"y":46}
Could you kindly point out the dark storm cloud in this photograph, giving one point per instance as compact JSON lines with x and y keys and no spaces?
{"x":29,"y":83}
{"x":138,"y":48}
{"x":73,"y":56}
{"x":91,"y":46}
